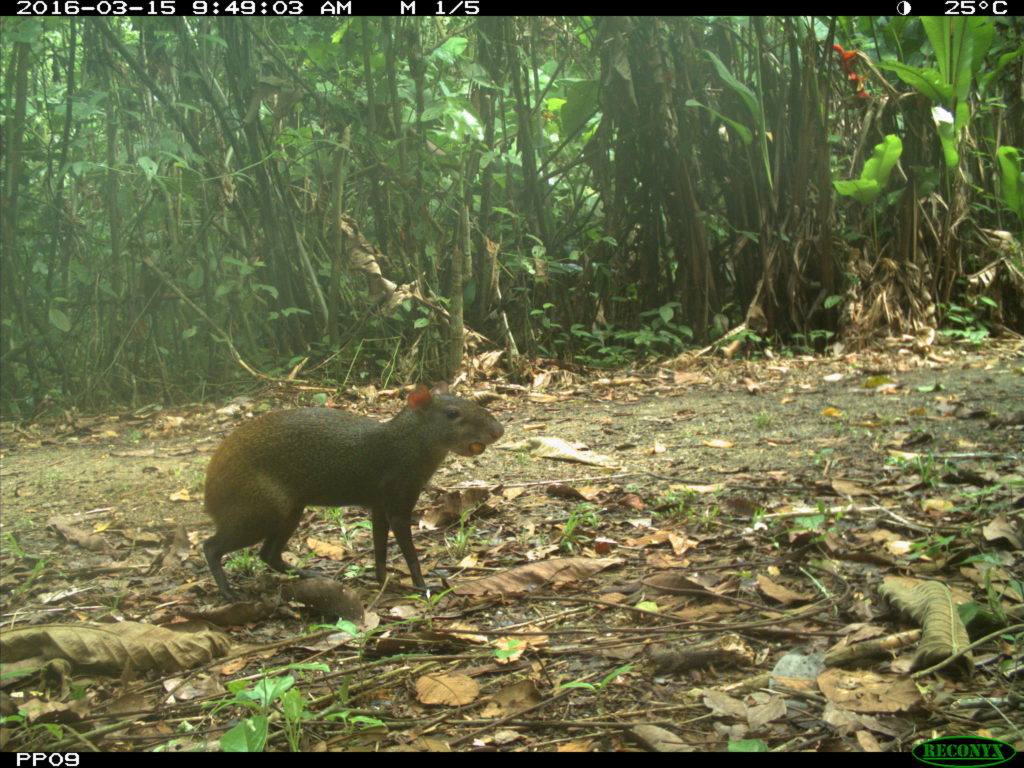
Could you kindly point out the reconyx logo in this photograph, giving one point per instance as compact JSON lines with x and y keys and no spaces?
{"x":963,"y":751}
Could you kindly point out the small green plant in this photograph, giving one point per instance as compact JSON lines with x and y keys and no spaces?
{"x":841,"y":428}
{"x":709,"y":517}
{"x":347,"y":533}
{"x":814,"y":341}
{"x":604,"y":681}
{"x":10,"y":545}
{"x":675,"y":505}
{"x":930,"y":469}
{"x":112,"y":603}
{"x":354,"y":723}
{"x":461,"y":542}
{"x":824,"y":458}
{"x":341,"y":625}
{"x":509,"y":650}
{"x":763,"y":420}
{"x":430,"y":600}
{"x":250,"y":734}
{"x":354,"y":571}
{"x":293,"y":707}
{"x":581,"y":516}
{"x":31,"y":736}
{"x":932,"y":548}
{"x":966,"y":325}
{"x":51,"y":479}
{"x":243,"y":561}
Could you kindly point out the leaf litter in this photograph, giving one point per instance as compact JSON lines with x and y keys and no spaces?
{"x":795,"y":555}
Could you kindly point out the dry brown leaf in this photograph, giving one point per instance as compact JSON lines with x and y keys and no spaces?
{"x":513,"y":698}
{"x":111,"y":648}
{"x":1001,"y":527}
{"x":76,"y":535}
{"x":575,"y":746}
{"x":656,"y":739}
{"x":849,"y":488}
{"x":865,"y":691}
{"x":527,"y":577}
{"x":453,"y":689}
{"x":780,"y":593}
{"x":328,"y":549}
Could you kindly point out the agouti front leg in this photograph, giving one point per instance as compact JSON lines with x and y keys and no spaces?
{"x":400,"y":523}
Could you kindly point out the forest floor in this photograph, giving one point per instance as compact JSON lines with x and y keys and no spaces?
{"x":687,"y":589}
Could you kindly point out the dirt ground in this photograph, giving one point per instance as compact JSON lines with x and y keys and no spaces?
{"x":906,"y":460}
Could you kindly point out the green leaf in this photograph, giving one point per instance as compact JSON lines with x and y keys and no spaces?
{"x":59,"y":320}
{"x":1001,"y":63}
{"x":250,"y":735}
{"x":748,"y":745}
{"x":1011,"y":180}
{"x":887,"y":154}
{"x":148,"y":167}
{"x":742,"y":90}
{"x":580,"y":105}
{"x":577,"y":684}
{"x":862,"y":191}
{"x":195,"y":278}
{"x":946,"y":128}
{"x":744,"y":133}
{"x":924,"y":80}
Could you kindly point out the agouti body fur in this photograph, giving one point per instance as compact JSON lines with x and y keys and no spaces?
{"x":267,"y":471}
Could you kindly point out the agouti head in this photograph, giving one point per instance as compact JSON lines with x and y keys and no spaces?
{"x":459,"y":425}
{"x":267,"y":471}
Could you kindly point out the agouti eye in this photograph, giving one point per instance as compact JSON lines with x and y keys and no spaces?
{"x":452,"y":413}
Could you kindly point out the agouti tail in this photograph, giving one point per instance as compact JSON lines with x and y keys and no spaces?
{"x":266,"y":472}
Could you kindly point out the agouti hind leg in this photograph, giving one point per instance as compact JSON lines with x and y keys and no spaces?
{"x":216,"y":547}
{"x":270,"y":552}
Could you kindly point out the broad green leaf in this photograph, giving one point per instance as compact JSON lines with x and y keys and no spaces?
{"x":579,"y":107}
{"x":748,"y":745}
{"x":59,"y":320}
{"x":250,"y":735}
{"x":924,"y":80}
{"x":148,"y":167}
{"x":946,"y":128}
{"x":1001,"y":64}
{"x":861,"y":190}
{"x":195,"y":278}
{"x":938,"y":30}
{"x":1011,"y":180}
{"x":963,"y":117}
{"x":879,"y":166}
{"x":744,"y":92}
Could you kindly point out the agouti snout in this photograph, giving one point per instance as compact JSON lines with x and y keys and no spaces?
{"x":267,"y":471}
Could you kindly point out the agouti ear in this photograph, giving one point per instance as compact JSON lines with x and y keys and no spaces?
{"x":440,"y":388}
{"x":419,"y":399}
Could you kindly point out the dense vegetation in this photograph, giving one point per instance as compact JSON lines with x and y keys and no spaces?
{"x":188,"y":202}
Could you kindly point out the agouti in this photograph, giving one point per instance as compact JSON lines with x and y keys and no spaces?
{"x":267,"y":471}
